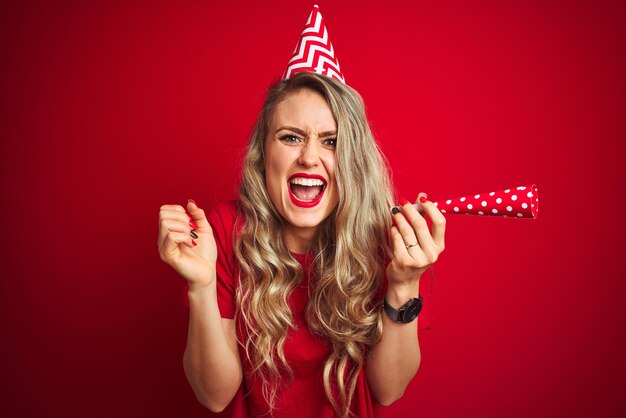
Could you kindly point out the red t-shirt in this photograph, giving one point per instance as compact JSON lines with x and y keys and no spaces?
{"x":305,"y":352}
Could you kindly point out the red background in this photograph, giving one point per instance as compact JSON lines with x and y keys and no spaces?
{"x":111,"y":109}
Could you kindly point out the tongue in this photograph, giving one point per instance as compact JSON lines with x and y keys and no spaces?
{"x":305,"y":193}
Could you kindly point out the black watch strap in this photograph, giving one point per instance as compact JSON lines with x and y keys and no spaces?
{"x":406,"y":313}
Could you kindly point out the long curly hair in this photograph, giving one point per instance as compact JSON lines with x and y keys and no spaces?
{"x":350,"y":247}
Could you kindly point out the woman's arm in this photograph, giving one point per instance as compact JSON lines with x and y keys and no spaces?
{"x":211,"y":360}
{"x":394,"y":361}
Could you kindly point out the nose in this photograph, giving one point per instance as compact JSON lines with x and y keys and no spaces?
{"x":310,"y":154}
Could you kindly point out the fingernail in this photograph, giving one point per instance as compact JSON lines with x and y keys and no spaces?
{"x":194,"y":243}
{"x":403,"y":201}
{"x":192,"y":223}
{"x":193,"y":234}
{"x":423,"y":197}
{"x":192,"y":201}
{"x":395,"y":210}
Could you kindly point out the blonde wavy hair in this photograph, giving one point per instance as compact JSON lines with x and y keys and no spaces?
{"x":350,"y":248}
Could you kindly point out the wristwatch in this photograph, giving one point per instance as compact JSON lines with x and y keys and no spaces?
{"x":406,"y":313}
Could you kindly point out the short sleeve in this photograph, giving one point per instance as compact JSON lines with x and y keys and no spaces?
{"x":222,"y":219}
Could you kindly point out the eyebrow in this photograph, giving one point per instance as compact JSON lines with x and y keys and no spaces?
{"x":301,"y":132}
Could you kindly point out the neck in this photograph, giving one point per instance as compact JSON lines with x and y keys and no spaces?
{"x":299,"y":240}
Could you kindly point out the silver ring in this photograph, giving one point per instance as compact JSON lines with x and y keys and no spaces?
{"x":410,"y":245}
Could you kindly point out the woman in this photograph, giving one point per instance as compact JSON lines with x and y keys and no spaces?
{"x":286,"y":284}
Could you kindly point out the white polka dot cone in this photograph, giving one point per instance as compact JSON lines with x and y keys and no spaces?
{"x":516,"y":202}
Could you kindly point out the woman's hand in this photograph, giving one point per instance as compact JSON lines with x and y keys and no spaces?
{"x":415,"y":248}
{"x":194,"y":259}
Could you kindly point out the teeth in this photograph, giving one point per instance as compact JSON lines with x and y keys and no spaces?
{"x":306,"y":182}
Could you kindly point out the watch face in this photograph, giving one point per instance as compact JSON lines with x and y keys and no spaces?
{"x":412,"y":309}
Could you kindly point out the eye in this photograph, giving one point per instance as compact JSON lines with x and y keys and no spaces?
{"x":290,"y":139}
{"x":331,"y":142}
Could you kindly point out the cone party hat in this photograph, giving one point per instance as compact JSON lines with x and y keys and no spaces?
{"x":314,"y":51}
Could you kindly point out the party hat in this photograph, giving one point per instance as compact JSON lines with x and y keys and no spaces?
{"x":314,"y":51}
{"x":516,"y":202}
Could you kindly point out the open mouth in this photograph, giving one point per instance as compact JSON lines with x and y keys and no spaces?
{"x":306,"y":191}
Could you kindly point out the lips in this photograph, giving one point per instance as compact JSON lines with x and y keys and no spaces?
{"x":299,"y":183}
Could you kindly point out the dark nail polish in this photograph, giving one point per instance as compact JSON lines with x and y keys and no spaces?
{"x":395,"y":210}
{"x":193,"y":234}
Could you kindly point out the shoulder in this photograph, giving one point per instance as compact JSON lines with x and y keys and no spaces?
{"x":222,"y":217}
{"x":223,"y":214}
{"x":224,"y":209}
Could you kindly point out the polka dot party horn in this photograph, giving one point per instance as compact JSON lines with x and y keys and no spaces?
{"x":517,"y":202}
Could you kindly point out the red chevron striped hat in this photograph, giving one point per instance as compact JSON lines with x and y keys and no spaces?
{"x":314,"y":51}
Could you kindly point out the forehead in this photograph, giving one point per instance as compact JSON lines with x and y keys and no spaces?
{"x":305,"y":109}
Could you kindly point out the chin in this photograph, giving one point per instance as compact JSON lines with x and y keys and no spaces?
{"x":305,"y":218}
{"x":310,"y":221}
